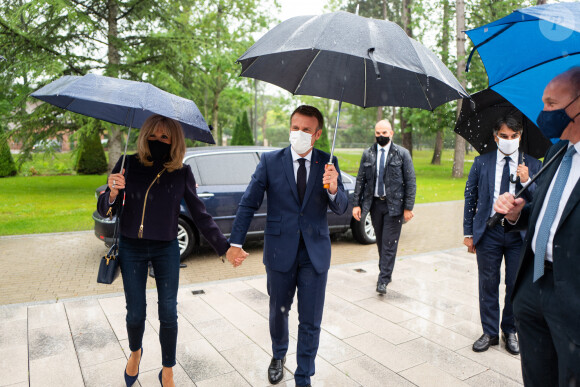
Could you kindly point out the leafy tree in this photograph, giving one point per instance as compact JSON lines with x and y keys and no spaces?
{"x":7,"y":166}
{"x":91,"y":157}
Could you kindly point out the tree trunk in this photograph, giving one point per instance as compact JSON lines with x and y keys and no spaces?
{"x":436,"y":160}
{"x":540,"y":2}
{"x":115,"y":140}
{"x":438,"y":148}
{"x":379,"y":113}
{"x":218,"y":83}
{"x":406,"y":131}
{"x":459,"y":155}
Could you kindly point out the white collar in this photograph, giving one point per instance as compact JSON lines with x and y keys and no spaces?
{"x":296,"y":156}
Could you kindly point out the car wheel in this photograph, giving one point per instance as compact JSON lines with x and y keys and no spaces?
{"x":363,"y":231}
{"x":185,"y":238}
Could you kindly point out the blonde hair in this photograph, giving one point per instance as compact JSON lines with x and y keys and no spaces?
{"x":173,"y":130}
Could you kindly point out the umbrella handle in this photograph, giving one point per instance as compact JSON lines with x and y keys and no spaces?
{"x":327,"y":186}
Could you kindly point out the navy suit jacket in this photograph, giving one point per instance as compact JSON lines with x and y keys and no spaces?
{"x":479,"y":191}
{"x":566,"y":249}
{"x":286,"y":218}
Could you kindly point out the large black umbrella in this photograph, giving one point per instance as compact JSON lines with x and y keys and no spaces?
{"x":341,"y":56}
{"x":478,"y":117}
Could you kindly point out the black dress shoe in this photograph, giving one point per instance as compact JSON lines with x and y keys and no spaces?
{"x":483,"y":343}
{"x":511,"y":343}
{"x":276,"y":370}
{"x":382,"y":288}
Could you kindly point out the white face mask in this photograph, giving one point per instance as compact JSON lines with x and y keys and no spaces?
{"x":301,"y":142}
{"x":507,"y":147}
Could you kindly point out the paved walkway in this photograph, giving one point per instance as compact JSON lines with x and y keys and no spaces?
{"x":420,"y":333}
{"x":59,"y":266}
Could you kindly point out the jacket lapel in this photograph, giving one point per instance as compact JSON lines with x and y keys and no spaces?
{"x":312,"y":176}
{"x":571,"y":204}
{"x":491,"y":173}
{"x":289,"y":171}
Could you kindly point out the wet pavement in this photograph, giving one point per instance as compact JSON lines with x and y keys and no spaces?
{"x":63,"y":329}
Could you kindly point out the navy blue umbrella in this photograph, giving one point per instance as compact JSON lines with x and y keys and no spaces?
{"x":523,"y":51}
{"x":123,"y":102}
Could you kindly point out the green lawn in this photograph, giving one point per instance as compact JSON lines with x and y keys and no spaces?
{"x":41,"y":204}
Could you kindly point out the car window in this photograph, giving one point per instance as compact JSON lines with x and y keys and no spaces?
{"x":226,"y":168}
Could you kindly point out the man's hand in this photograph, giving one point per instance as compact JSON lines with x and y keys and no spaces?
{"x":508,"y":205}
{"x":330,"y":177}
{"x":236,"y":255}
{"x":356,"y":212}
{"x":408,"y":215}
{"x":468,"y":241}
{"x":522,"y":172}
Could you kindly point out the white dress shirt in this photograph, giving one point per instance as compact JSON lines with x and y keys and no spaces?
{"x":386,"y":148}
{"x":570,"y":184}
{"x":296,"y":165}
{"x":499,"y":163}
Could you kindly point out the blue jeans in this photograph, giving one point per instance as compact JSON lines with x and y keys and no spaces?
{"x":164,"y":256}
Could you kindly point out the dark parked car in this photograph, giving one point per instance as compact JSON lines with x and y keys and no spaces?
{"x":222,"y":175}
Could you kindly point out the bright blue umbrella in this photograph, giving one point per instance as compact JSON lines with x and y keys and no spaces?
{"x":523,"y":51}
{"x":123,"y":102}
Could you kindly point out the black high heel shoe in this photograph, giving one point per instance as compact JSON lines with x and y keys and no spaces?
{"x":160,"y":373}
{"x":130,"y":380}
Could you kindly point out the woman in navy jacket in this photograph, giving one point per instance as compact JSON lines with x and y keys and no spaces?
{"x":152,"y":185}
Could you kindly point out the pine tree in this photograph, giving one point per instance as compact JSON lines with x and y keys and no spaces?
{"x":7,"y":166}
{"x":242,"y":131}
{"x":91,"y":159}
{"x":246,"y":137}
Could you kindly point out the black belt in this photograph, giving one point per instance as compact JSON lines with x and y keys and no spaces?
{"x":380,"y":197}
{"x":548,"y":265}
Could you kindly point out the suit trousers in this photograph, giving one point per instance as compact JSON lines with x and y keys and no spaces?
{"x":494,"y":245}
{"x":311,"y":291}
{"x":387,"y":230}
{"x":549,"y":356}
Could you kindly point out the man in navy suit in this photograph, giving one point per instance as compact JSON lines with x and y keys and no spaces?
{"x":296,"y":240}
{"x":546,"y":295}
{"x":491,"y":175}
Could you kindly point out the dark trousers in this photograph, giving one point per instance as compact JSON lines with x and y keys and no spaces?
{"x":133,"y":257}
{"x":549,"y":356}
{"x":493,"y":246}
{"x":388,"y":230}
{"x":311,"y":290}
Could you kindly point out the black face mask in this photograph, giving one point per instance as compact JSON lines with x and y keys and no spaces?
{"x":382,"y":140}
{"x":159,"y":150}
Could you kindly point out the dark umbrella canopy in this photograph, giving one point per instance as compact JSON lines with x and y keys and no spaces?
{"x":478,"y":117}
{"x":372,"y":61}
{"x":123,"y":102}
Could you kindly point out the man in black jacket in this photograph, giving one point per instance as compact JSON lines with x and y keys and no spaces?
{"x":385,"y":187}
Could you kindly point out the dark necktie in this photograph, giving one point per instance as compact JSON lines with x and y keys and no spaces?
{"x":301,"y":179}
{"x":551,"y":212}
{"x":505,"y":177}
{"x":381,"y":190}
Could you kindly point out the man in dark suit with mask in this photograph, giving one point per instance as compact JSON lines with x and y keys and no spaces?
{"x":491,"y":175}
{"x":296,"y":238}
{"x":385,"y":187}
{"x":546,"y":296}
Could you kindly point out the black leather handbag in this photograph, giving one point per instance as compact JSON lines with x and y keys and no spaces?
{"x":109,"y":268}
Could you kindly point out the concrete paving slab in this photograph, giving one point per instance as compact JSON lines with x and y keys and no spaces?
{"x":426,"y":375}
{"x":370,"y":373}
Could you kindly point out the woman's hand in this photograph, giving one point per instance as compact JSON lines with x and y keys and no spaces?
{"x":115,"y":182}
